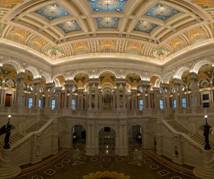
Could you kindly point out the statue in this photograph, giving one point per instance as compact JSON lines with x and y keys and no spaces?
{"x":6,"y":129}
{"x":206,"y":134}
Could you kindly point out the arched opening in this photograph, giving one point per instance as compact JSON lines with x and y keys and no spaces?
{"x":79,"y":137}
{"x":107,"y":140}
{"x":8,"y":82}
{"x":107,"y":83}
{"x":135,"y":137}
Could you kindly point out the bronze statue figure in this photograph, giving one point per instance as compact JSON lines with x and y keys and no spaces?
{"x":6,"y":129}
{"x":206,"y":134}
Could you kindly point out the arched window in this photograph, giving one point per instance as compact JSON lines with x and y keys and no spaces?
{"x":141,"y":104}
{"x":174,"y":103}
{"x":53,"y":104}
{"x":184,"y":103}
{"x":30,"y":103}
{"x":161,"y":104}
{"x":73,"y":104}
{"x":40,"y":103}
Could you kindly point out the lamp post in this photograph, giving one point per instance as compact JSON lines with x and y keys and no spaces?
{"x":206,"y":133}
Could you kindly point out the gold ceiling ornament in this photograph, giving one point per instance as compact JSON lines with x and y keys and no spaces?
{"x":204,"y":3}
{"x":106,"y":175}
{"x":9,"y":3}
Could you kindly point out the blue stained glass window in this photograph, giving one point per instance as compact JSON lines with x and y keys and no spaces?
{"x":53,"y":104}
{"x":184,"y":103}
{"x":161,"y":104}
{"x":40,"y":103}
{"x":141,"y":105}
{"x":30,"y":103}
{"x":73,"y":104}
{"x":174,"y":104}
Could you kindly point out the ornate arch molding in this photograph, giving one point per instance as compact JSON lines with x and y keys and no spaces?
{"x":21,"y":66}
{"x":96,"y":72}
{"x":193,"y":66}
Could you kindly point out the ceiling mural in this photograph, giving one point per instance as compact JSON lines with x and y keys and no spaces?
{"x":107,"y":5}
{"x":9,"y":3}
{"x":151,"y":30}
{"x":52,"y":12}
{"x":107,"y":22}
{"x":145,"y":26}
{"x":69,"y":26}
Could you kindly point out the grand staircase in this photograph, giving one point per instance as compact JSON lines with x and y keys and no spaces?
{"x":180,"y":128}
{"x":16,"y":136}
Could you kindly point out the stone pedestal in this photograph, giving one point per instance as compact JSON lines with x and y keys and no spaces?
{"x":7,"y":168}
{"x":206,"y":170}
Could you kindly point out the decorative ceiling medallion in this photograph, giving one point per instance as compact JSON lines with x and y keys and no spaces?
{"x":162,"y":12}
{"x":52,"y":12}
{"x":144,"y":26}
{"x":160,"y":52}
{"x":107,"y":22}
{"x":108,"y":5}
{"x":69,"y":26}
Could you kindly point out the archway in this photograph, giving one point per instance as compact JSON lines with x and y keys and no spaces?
{"x":79,"y":137}
{"x":107,"y":140}
{"x":135,"y":137}
{"x":107,"y":99}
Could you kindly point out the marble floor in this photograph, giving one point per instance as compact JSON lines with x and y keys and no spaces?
{"x":67,"y":166}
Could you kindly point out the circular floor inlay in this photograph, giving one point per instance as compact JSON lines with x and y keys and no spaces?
{"x":106,"y":175}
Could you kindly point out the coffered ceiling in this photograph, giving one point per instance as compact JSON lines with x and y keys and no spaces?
{"x":149,"y":30}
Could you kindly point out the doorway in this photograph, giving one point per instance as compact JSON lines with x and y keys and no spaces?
{"x":79,"y":137}
{"x":135,"y":137}
{"x":8,"y":99}
{"x":107,"y":139}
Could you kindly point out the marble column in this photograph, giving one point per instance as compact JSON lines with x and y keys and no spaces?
{"x":121,"y":148}
{"x":20,"y":96}
{"x":92,"y":137}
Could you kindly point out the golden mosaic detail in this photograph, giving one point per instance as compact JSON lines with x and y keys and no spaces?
{"x":37,"y":42}
{"x":18,"y":35}
{"x":204,"y":3}
{"x":196,"y":34}
{"x":9,"y":3}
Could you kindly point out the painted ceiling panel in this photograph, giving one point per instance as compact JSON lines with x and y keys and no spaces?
{"x":162,"y":12}
{"x":144,"y":26}
{"x":66,"y":28}
{"x":69,"y":26}
{"x":107,"y":22}
{"x":107,"y":5}
{"x":52,"y":12}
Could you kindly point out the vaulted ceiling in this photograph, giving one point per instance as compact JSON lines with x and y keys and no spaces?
{"x":60,"y":30}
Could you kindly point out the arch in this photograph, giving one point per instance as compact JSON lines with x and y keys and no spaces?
{"x":178,"y":74}
{"x":47,"y":77}
{"x":79,"y":135}
{"x":34,"y":71}
{"x":107,"y":71}
{"x":59,"y":80}
{"x":16,"y":65}
{"x":155,"y":80}
{"x":199,"y":64}
{"x":77,"y":73}
{"x":167,"y":77}
{"x":107,"y":140}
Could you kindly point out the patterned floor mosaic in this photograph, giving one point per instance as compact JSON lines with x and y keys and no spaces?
{"x":63,"y":167}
